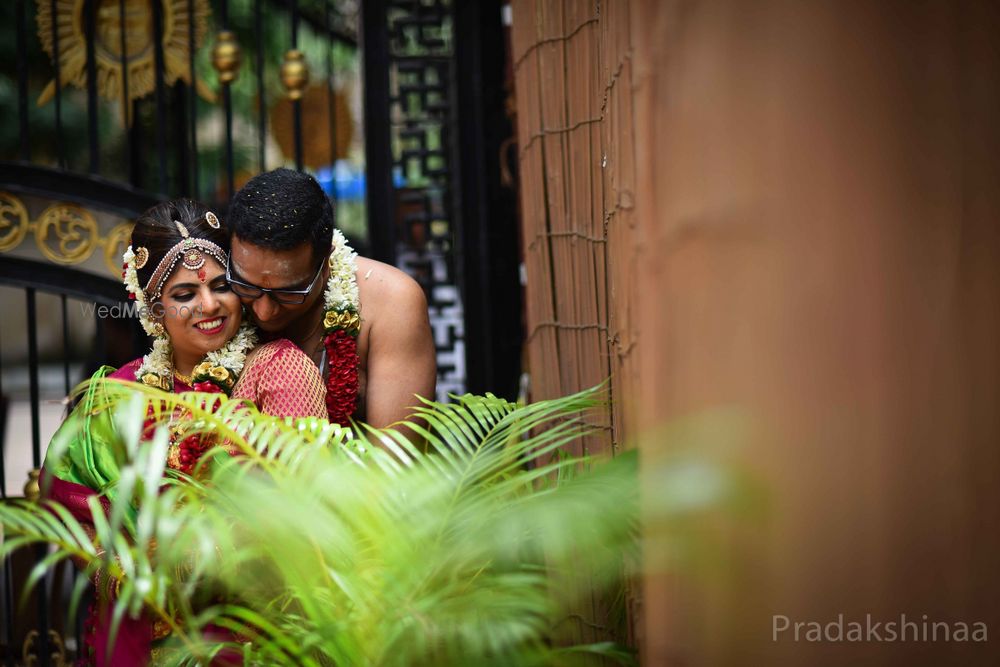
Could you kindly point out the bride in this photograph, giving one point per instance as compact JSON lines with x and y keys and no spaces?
{"x":175,"y":270}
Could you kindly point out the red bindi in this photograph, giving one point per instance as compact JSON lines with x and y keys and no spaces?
{"x":201,"y":275}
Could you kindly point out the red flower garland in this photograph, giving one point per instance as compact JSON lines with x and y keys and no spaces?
{"x":189,"y":449}
{"x":208,"y":387}
{"x":342,"y":375}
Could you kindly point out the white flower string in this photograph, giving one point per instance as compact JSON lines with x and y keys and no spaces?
{"x":233,"y":355}
{"x":156,"y":369}
{"x":342,"y":288}
{"x":131,"y":279}
{"x":222,"y":367}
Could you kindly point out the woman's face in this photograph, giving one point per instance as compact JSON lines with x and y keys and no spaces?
{"x":198,"y":310}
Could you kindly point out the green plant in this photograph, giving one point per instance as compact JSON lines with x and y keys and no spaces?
{"x":320,"y":545}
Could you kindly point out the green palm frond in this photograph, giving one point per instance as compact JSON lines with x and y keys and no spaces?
{"x":353,"y":546}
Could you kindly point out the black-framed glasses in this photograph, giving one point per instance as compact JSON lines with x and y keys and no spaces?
{"x":290,"y":297}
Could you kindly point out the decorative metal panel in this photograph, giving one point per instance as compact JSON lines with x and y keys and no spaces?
{"x":421,"y":57}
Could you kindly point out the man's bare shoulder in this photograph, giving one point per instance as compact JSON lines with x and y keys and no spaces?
{"x":396,"y":345}
{"x":383,"y":289}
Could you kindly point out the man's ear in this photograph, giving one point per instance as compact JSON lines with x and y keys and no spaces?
{"x":326,"y":263}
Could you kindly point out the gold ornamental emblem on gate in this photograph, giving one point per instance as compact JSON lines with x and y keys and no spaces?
{"x":139,"y":60}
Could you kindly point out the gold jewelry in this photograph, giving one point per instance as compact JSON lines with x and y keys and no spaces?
{"x":186,"y":379}
{"x":141,"y":257}
{"x":189,"y":252}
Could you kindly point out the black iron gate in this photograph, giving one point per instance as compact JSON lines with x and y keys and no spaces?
{"x":435,"y":125}
{"x":110,"y":105}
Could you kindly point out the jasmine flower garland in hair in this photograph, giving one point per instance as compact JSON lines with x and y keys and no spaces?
{"x":131,"y":279}
{"x":156,"y":367}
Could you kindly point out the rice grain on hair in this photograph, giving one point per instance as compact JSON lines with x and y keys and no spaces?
{"x":282,"y":209}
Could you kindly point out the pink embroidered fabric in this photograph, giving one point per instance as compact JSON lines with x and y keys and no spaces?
{"x":282,"y":381}
{"x":279,"y":379}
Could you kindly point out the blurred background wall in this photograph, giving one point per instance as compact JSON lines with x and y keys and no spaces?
{"x":790,"y":209}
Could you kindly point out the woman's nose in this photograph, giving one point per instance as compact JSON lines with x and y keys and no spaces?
{"x":209,"y":303}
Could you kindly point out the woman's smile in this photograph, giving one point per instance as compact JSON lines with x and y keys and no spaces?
{"x":202,"y":313}
{"x":212,"y":326}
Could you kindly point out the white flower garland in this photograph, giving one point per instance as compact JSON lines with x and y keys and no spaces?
{"x":233,"y":355}
{"x":157,"y":367}
{"x":222,"y":366}
{"x":342,"y":288}
{"x":131,"y":280}
{"x":342,"y":325}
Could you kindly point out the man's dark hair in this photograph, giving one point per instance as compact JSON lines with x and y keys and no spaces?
{"x":282,"y":209}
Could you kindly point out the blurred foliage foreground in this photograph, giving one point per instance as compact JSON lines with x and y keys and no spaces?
{"x":316,"y":547}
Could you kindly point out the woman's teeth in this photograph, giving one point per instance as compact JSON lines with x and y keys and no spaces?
{"x":211,"y":324}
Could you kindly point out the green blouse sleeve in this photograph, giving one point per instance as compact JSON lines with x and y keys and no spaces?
{"x":87,"y":449}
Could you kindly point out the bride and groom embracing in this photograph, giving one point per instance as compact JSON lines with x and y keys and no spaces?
{"x":270,"y":305}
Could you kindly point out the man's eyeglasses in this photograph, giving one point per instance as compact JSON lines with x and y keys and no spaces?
{"x":290,"y":297}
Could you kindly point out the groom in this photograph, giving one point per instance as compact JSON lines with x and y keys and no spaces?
{"x":281,"y":228}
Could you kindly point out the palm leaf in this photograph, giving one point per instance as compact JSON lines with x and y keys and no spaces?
{"x":352,"y":545}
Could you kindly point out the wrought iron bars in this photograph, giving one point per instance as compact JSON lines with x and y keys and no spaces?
{"x":413,"y":40}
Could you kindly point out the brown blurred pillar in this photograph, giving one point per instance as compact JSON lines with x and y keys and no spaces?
{"x":819,"y":206}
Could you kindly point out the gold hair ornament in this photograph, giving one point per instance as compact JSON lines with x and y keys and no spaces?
{"x":141,"y":257}
{"x":189,"y":252}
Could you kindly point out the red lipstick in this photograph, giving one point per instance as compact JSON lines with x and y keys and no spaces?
{"x":214,"y":330}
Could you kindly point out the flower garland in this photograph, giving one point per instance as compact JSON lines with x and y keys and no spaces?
{"x":130,"y":277}
{"x":341,"y":324}
{"x":222,"y":367}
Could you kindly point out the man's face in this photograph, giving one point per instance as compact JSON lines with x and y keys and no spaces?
{"x":291,"y":269}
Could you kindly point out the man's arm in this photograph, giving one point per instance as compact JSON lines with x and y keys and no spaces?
{"x":401,"y":356}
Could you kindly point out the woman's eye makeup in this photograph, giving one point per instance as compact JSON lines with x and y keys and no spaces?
{"x":219,"y":285}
